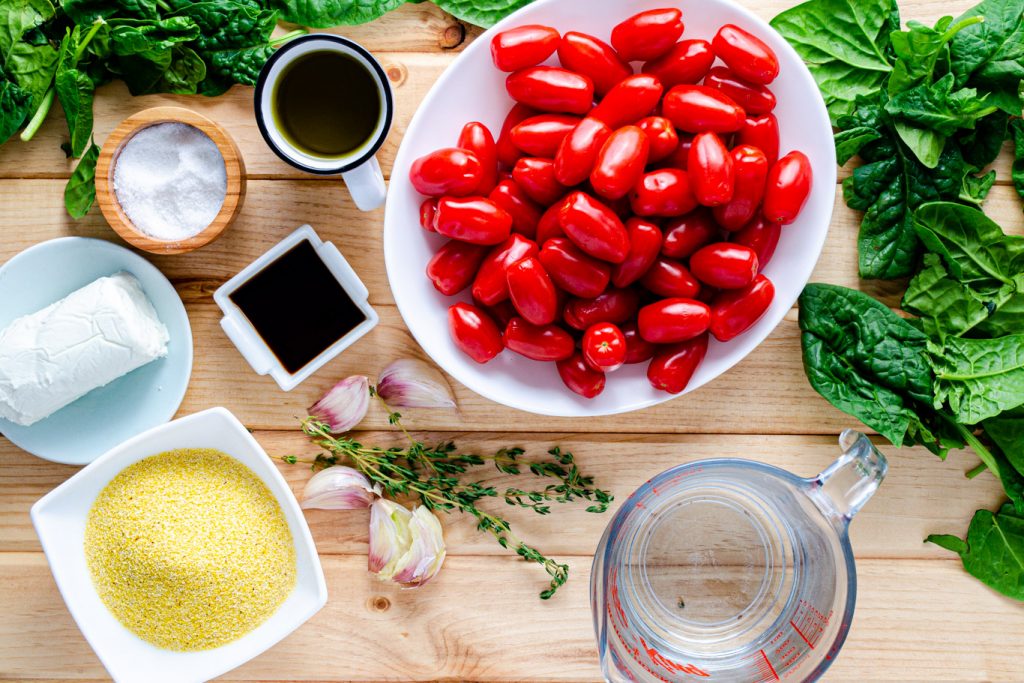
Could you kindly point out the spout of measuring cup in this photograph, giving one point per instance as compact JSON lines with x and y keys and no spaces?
{"x":851,"y":480}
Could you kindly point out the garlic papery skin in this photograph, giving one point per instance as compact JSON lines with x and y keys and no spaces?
{"x":411,"y":383}
{"x":339,"y":488}
{"x":345,"y":405}
{"x":389,"y":536}
{"x":425,"y":556}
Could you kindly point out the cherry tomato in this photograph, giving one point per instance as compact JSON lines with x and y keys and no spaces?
{"x":613,"y":306}
{"x":670,"y":278}
{"x":449,"y":171}
{"x":454,"y":266}
{"x":687,"y":62}
{"x":632,"y":98}
{"x":665,"y":192}
{"x":572,"y":270}
{"x":755,"y":99}
{"x":746,"y":54}
{"x":491,"y":284}
{"x":428,"y":212}
{"x":711,"y":170}
{"x":538,"y":342}
{"x":750,"y":171}
{"x":550,"y":88}
{"x":673,"y":320}
{"x":523,"y":46}
{"x":524,"y":211}
{"x":680,"y":157}
{"x":532,"y":291}
{"x":662,"y":136}
{"x":604,"y":347}
{"x":474,"y":332}
{"x":536,"y":177}
{"x":580,"y":377}
{"x":594,"y":228}
{"x":762,"y":236}
{"x":673,"y":366}
{"x":508,"y":153}
{"x":724,"y":265}
{"x":578,"y":150}
{"x":734,"y":312}
{"x":620,"y":163}
{"x":472,"y":219}
{"x":593,"y":58}
{"x":476,"y":138}
{"x":549,"y":226}
{"x":648,"y":35}
{"x":638,"y":349}
{"x":789,"y":185}
{"x":501,"y":312}
{"x":644,"y":245}
{"x":761,"y":132}
{"x":698,"y":108}
{"x":541,"y":135}
{"x":686,"y":234}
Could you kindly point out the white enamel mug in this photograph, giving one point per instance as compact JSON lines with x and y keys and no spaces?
{"x":358,"y":168}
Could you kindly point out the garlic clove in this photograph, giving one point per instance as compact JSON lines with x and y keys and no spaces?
{"x":390,"y":536}
{"x":345,"y":405}
{"x":339,"y":488}
{"x":425,"y":556}
{"x":411,"y":383}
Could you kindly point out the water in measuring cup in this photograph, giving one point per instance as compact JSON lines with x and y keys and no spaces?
{"x":731,"y":570}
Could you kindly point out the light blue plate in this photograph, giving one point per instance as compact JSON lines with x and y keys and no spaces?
{"x":84,"y":430}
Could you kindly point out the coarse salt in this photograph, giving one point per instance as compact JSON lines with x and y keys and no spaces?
{"x":170,"y":180}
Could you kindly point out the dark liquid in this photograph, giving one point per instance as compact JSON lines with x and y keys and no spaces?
{"x":326,"y":103}
{"x":297,"y":306}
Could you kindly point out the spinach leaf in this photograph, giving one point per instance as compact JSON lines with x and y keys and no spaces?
{"x":1018,"y":162}
{"x":80,"y":192}
{"x":947,"y":306}
{"x":975,"y":248}
{"x":151,"y":56}
{"x":32,"y":67}
{"x":14,"y":108}
{"x":978,"y":378}
{"x":994,"y":550}
{"x":870,"y":363}
{"x":484,"y":13}
{"x":982,"y":145}
{"x":327,"y":13}
{"x":920,"y":49}
{"x":18,"y":17}
{"x":846,"y":45}
{"x":1007,"y":431}
{"x":976,"y":188}
{"x":87,"y":11}
{"x":990,"y":55}
{"x":1007,"y":319}
{"x":888,"y":187}
{"x":927,"y":114}
{"x":75,"y":92}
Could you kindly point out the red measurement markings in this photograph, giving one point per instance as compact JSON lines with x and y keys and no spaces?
{"x":770,"y":667}
{"x":801,"y":634}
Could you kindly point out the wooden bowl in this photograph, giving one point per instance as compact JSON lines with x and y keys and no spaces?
{"x":116,"y":216}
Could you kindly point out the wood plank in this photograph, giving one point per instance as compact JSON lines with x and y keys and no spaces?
{"x":371,"y":632}
{"x":906,"y":508}
{"x":273,"y":209}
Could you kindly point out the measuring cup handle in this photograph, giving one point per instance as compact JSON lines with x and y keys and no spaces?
{"x":850,"y":481}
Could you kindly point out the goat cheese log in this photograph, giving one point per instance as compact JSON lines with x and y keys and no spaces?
{"x":89,"y":338}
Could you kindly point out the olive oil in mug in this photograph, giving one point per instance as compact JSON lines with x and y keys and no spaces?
{"x":326,"y":104}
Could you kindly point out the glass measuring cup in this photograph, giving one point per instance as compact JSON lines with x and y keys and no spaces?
{"x":732,"y":570}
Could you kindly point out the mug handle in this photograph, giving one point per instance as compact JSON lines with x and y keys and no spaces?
{"x":366,"y":185}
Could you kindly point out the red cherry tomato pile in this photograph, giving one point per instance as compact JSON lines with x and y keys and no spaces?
{"x":619,"y":217}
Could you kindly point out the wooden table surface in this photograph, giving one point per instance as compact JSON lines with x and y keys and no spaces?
{"x":919,"y":615}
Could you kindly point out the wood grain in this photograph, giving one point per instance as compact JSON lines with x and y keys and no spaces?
{"x":372,"y":632}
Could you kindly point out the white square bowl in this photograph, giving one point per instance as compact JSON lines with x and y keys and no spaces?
{"x":59,"y":518}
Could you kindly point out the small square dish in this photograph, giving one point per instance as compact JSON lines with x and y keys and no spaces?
{"x":295,"y":308}
{"x":60,"y":521}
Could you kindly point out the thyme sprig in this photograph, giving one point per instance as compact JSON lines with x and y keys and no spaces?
{"x":433,"y":474}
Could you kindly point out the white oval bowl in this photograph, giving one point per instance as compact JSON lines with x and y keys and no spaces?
{"x":472,"y":89}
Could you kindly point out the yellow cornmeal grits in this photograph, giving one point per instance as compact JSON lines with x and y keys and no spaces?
{"x":189,"y":549}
